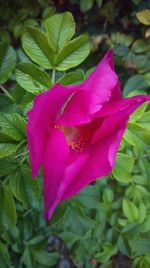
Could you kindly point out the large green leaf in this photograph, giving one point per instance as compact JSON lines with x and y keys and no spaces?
{"x":7,"y":148}
{"x":7,"y":61}
{"x":7,"y":209}
{"x":31,"y":78}
{"x":73,"y":53}
{"x":35,"y":44}
{"x":5,"y":260}
{"x":60,"y":28}
{"x":12,"y":126}
{"x":23,"y":187}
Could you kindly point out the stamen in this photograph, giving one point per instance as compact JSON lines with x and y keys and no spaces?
{"x":78,"y":136}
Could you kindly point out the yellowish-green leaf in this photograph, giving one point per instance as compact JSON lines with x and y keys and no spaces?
{"x":144,"y":16}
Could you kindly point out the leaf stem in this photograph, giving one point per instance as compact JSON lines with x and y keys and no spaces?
{"x":53,"y":76}
{"x":6,"y":93}
{"x":24,"y":153}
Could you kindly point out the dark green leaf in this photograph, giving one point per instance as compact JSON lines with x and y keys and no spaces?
{"x":13,"y":126}
{"x":85,"y":5}
{"x":23,"y":187}
{"x":7,"y":61}
{"x":7,"y":149}
{"x":45,"y":258}
{"x":5,"y":260}
{"x":136,"y":82}
{"x":8,"y":215}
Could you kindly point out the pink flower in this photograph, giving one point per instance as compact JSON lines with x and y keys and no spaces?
{"x":75,"y":131}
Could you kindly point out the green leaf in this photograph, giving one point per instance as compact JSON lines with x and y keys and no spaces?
{"x":72,"y":78}
{"x":7,"y":61}
{"x":142,"y":212}
{"x":140,"y":246}
{"x":31,"y":78}
{"x":7,"y":149}
{"x":89,"y":196}
{"x":141,"y":132}
{"x":120,"y":171}
{"x":140,"y":46}
{"x":5,"y":260}
{"x":48,"y":12}
{"x":7,"y":165}
{"x":108,"y":196}
{"x":132,"y":139}
{"x":85,"y":5}
{"x":35,"y":44}
{"x":45,"y":258}
{"x":138,"y":113}
{"x":99,"y":3}
{"x":108,"y":251}
{"x":130,"y":210}
{"x":22,"y":97}
{"x":73,"y":53}
{"x":77,"y":221}
{"x":8,"y":215}
{"x":60,"y":28}
{"x":23,"y":187}
{"x":145,"y":120}
{"x":136,"y":82}
{"x":144,"y":16}
{"x":13,"y":126}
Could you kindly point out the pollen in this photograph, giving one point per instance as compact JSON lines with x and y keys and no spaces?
{"x":78,"y":137}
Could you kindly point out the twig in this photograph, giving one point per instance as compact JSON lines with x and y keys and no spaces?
{"x":6,"y":93}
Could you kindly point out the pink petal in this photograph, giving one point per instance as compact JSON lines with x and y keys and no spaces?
{"x":116,"y":93}
{"x":116,"y":113}
{"x":97,"y":89}
{"x":100,"y":161}
{"x":128,"y":104}
{"x":46,"y":107}
{"x":55,"y":161}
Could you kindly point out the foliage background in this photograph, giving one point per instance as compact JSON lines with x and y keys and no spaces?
{"x":108,"y":223}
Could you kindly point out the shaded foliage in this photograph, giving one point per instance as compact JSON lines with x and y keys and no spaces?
{"x":108,"y":223}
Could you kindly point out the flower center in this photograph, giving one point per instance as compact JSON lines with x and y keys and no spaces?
{"x":78,"y":137}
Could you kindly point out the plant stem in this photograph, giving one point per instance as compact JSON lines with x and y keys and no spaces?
{"x":53,"y":76}
{"x":6,"y":93}
{"x":24,"y":153}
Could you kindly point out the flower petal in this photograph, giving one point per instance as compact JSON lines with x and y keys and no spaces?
{"x":55,"y":161}
{"x":96,"y":90}
{"x":46,"y":107}
{"x":101,"y":159}
{"x":116,"y":113}
{"x":128,"y":104}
